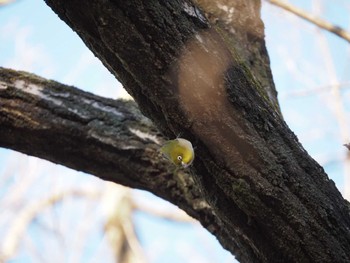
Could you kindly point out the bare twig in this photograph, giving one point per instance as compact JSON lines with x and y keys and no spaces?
{"x":316,"y":90}
{"x":336,"y":103}
{"x":5,"y":2}
{"x":23,"y":219}
{"x":176,"y":216}
{"x":119,"y":226}
{"x":340,"y":32}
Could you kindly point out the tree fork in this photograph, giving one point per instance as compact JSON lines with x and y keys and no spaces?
{"x":189,"y":76}
{"x":107,"y":138}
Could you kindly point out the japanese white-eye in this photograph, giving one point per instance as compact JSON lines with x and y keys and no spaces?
{"x":179,"y":151}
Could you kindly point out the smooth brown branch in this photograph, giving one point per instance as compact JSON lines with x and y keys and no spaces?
{"x":337,"y":30}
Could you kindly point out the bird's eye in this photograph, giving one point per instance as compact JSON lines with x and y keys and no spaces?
{"x":179,"y":158}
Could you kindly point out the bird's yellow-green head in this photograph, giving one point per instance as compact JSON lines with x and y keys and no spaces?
{"x":179,"y":151}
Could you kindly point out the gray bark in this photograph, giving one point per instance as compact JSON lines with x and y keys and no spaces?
{"x":107,"y":138}
{"x":270,"y":200}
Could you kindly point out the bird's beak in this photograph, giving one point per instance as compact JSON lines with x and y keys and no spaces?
{"x":184,"y":165}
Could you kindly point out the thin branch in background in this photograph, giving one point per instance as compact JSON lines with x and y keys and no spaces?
{"x":5,"y":2}
{"x":26,"y":216}
{"x":119,"y":226}
{"x":313,"y":91}
{"x":336,"y":100}
{"x":32,"y":249}
{"x":83,"y":230}
{"x":27,"y":175}
{"x":294,"y":69}
{"x":176,"y":216}
{"x":133,"y":241}
{"x":340,"y":32}
{"x":334,"y":88}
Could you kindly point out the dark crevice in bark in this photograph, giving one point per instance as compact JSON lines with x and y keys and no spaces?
{"x":95,"y":135}
{"x":193,"y":78}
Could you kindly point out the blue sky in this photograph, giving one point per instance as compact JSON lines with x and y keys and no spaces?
{"x":44,"y":45}
{"x":25,"y":45}
{"x":304,"y":58}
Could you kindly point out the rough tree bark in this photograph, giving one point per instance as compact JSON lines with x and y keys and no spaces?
{"x":108,"y":138}
{"x":267,"y":199}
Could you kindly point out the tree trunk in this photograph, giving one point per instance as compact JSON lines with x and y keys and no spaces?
{"x":270,"y":200}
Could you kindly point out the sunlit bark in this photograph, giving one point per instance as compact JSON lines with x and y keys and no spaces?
{"x":270,"y":200}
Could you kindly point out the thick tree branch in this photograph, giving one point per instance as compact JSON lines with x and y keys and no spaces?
{"x":248,"y":34}
{"x":107,"y":138}
{"x":271,"y":200}
{"x":340,"y":32}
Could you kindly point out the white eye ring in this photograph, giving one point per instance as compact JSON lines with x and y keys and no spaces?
{"x":179,"y":158}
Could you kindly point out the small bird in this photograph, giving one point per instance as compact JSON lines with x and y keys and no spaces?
{"x":179,"y":151}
